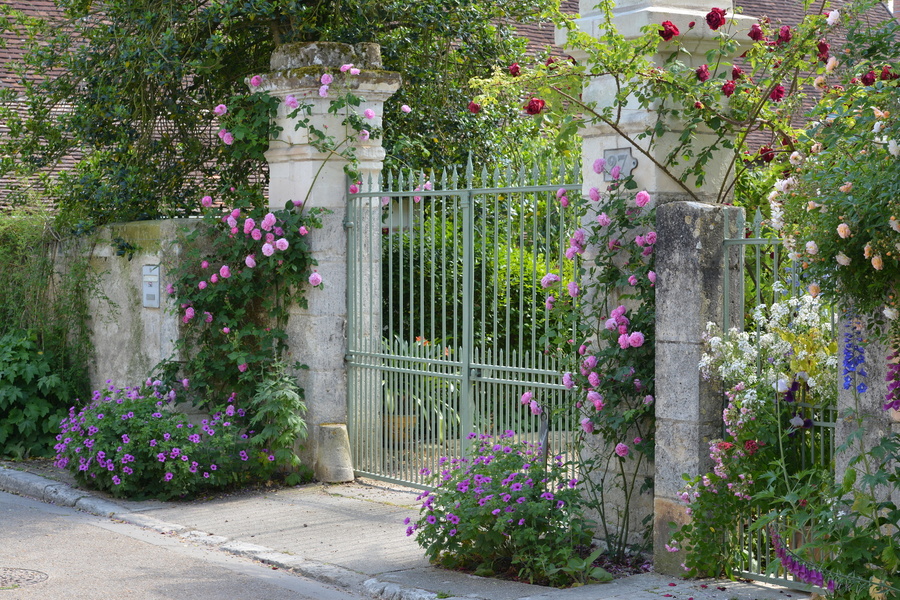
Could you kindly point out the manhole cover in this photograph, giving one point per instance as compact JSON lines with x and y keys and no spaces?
{"x":11,"y":578}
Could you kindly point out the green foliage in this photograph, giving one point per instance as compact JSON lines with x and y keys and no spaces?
{"x":141,"y":78}
{"x":503,"y":511}
{"x":33,"y":396}
{"x":43,"y":325}
{"x":132,"y":444}
{"x":276,"y":413}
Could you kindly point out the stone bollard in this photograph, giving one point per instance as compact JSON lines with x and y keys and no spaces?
{"x":333,"y":462}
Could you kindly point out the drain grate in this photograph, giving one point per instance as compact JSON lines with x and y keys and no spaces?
{"x":12,"y":578}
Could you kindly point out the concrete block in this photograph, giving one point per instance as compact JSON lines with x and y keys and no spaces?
{"x":666,"y":513}
{"x":682,"y":447}
{"x":22,"y":483}
{"x":333,"y":461}
{"x":62,"y":495}
{"x":99,"y":507}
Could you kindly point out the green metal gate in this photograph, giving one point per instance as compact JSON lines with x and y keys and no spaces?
{"x":447,"y":314}
{"x":762,"y":261}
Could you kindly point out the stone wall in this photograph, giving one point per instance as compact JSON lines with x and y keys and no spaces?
{"x":130,"y":338}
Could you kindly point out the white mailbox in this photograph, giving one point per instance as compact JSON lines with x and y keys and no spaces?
{"x":150,"y":286}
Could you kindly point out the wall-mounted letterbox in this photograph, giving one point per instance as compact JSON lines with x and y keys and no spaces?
{"x":150,"y":286}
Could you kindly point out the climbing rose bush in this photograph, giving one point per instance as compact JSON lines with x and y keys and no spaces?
{"x":501,"y":511}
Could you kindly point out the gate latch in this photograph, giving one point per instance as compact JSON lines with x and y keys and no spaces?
{"x":475,"y":373}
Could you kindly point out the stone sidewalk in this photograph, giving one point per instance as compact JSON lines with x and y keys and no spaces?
{"x":352,"y":535}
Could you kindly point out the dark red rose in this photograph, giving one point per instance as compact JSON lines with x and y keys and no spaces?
{"x":887,"y":74}
{"x":737,"y":73}
{"x":766,"y":153}
{"x":837,"y":88}
{"x":728,"y":88}
{"x":777,"y":93}
{"x":692,"y":24}
{"x":474,"y":107}
{"x":823,"y":47}
{"x":751,"y":447}
{"x":715,"y":18}
{"x":868,"y":78}
{"x":550,"y":60}
{"x":668,"y":30}
{"x":756,"y":32}
{"x":784,"y":35}
{"x":514,"y":69}
{"x":698,"y":105}
{"x":702,"y":72}
{"x":534,"y":106}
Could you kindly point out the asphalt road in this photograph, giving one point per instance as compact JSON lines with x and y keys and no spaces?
{"x":93,"y":558}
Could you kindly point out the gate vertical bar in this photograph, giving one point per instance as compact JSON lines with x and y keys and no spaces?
{"x":465,"y":387}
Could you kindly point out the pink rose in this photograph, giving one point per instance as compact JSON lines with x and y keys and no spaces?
{"x":651,"y":275}
{"x":202,"y":285}
{"x":225,"y":272}
{"x":642,"y":198}
{"x":636,"y":339}
{"x":326,"y":79}
{"x":622,"y":450}
{"x":256,"y":81}
{"x":594,"y":194}
{"x":315,"y":279}
{"x":226,"y":330}
{"x":303,"y":230}
{"x":204,"y":264}
{"x":206,"y":201}
{"x":268,"y":249}
{"x":587,"y":425}
{"x":291,"y":102}
{"x":369,"y":113}
{"x":243,"y":367}
{"x":249,"y":224}
{"x":213,"y":278}
{"x":281,"y":244}
{"x":228,"y":138}
{"x":632,"y":280}
{"x":220,"y":110}
{"x":256,"y":234}
{"x":526,"y":398}
{"x":623,"y":341}
{"x":650,"y":238}
{"x":405,"y":108}
{"x":250,"y":261}
{"x":604,"y":220}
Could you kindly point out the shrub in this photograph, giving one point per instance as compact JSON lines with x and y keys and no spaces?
{"x":505,"y":509}
{"x":33,"y":396}
{"x":131,"y":443}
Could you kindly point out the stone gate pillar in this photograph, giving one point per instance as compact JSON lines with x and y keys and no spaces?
{"x":690,"y":261}
{"x":317,"y":335}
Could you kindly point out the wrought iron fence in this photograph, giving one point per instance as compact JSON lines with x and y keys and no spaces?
{"x":447,"y":316}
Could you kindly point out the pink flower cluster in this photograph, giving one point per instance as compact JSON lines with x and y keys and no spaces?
{"x":577,"y":243}
{"x":619,"y":322}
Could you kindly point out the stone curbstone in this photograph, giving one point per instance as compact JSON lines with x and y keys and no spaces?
{"x":99,"y":507}
{"x":142,"y":520}
{"x":63,"y":495}
{"x":24,"y":483}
